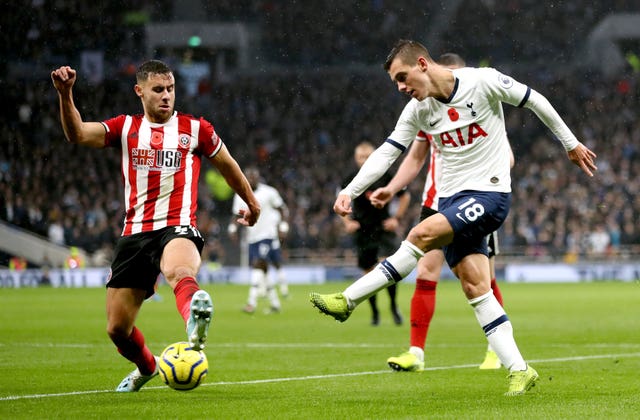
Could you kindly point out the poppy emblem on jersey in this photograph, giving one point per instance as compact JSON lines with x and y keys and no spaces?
{"x":184,"y":140}
{"x":505,"y":81}
{"x":156,"y":139}
{"x":453,"y":114}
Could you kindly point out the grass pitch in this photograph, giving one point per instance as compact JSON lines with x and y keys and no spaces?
{"x":584,"y":339}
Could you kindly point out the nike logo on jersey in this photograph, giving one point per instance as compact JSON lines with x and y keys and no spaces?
{"x":459,"y":216}
{"x":435,"y":122}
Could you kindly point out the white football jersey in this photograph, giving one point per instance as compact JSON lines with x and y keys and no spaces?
{"x":468,"y":129}
{"x":267,"y":225}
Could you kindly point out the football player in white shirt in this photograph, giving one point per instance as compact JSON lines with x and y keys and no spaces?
{"x":462,"y":110}
{"x":429,"y":267}
{"x":264,"y":241}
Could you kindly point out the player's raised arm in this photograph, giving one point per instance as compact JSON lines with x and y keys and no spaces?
{"x":76,"y":131}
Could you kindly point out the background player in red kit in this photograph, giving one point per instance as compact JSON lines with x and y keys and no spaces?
{"x":161,"y":156}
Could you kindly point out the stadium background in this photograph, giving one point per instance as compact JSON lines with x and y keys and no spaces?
{"x":293,"y":86}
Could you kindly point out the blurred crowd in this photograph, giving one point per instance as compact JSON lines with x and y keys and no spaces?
{"x":301,"y":123}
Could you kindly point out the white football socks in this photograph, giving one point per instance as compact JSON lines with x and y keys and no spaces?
{"x":258,"y":278}
{"x":388,"y":272}
{"x":272,"y":292}
{"x":498,"y":329}
{"x":418,"y":352}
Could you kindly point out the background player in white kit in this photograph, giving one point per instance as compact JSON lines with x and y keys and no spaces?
{"x":461,"y":109}
{"x":161,"y":155}
{"x":264,"y":242}
{"x":429,"y":267}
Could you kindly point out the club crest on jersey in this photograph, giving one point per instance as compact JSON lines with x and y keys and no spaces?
{"x":184,"y":140}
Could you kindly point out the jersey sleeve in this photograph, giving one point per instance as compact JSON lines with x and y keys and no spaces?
{"x":504,"y":88}
{"x":508,"y":90}
{"x":209,"y":143}
{"x":407,"y":127}
{"x":422,"y":136}
{"x":114,"y":127}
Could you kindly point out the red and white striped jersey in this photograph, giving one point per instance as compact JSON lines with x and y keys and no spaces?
{"x":160,"y":168}
{"x":430,"y":192}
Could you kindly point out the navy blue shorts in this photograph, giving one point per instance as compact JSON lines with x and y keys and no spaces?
{"x":473,"y":215}
{"x":136,"y":260}
{"x":266,"y":250}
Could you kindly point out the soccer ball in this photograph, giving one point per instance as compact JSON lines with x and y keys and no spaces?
{"x":181,"y":367}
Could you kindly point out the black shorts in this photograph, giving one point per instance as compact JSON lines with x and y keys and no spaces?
{"x":136,"y":260}
{"x":373,"y":245}
{"x":426,"y":212}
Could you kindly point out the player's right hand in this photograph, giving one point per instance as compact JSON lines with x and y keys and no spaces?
{"x":63,"y":78}
{"x":342,"y":206}
{"x":380,"y":197}
{"x":248,"y":217}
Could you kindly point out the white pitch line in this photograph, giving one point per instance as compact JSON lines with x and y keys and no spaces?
{"x":314,"y":377}
{"x":316,"y":345}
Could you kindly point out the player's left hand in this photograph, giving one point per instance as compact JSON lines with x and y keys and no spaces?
{"x":584,"y":158}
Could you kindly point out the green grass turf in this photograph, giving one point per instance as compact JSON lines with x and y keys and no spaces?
{"x":584,"y":339}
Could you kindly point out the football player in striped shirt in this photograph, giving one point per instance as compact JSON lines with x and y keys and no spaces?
{"x":161,"y":153}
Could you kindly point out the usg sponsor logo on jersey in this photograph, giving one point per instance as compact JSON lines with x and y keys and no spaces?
{"x":156,"y":160}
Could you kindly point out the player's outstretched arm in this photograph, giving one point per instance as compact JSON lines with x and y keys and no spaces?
{"x":577,"y":152}
{"x":75,"y":130}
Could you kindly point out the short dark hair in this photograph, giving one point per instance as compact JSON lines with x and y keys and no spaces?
{"x":408,"y":51}
{"x":451,"y":59}
{"x":151,"y":67}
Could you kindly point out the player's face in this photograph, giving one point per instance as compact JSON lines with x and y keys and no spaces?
{"x":253,"y":177}
{"x":361,"y":155}
{"x":408,"y":78}
{"x":158,"y":97}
